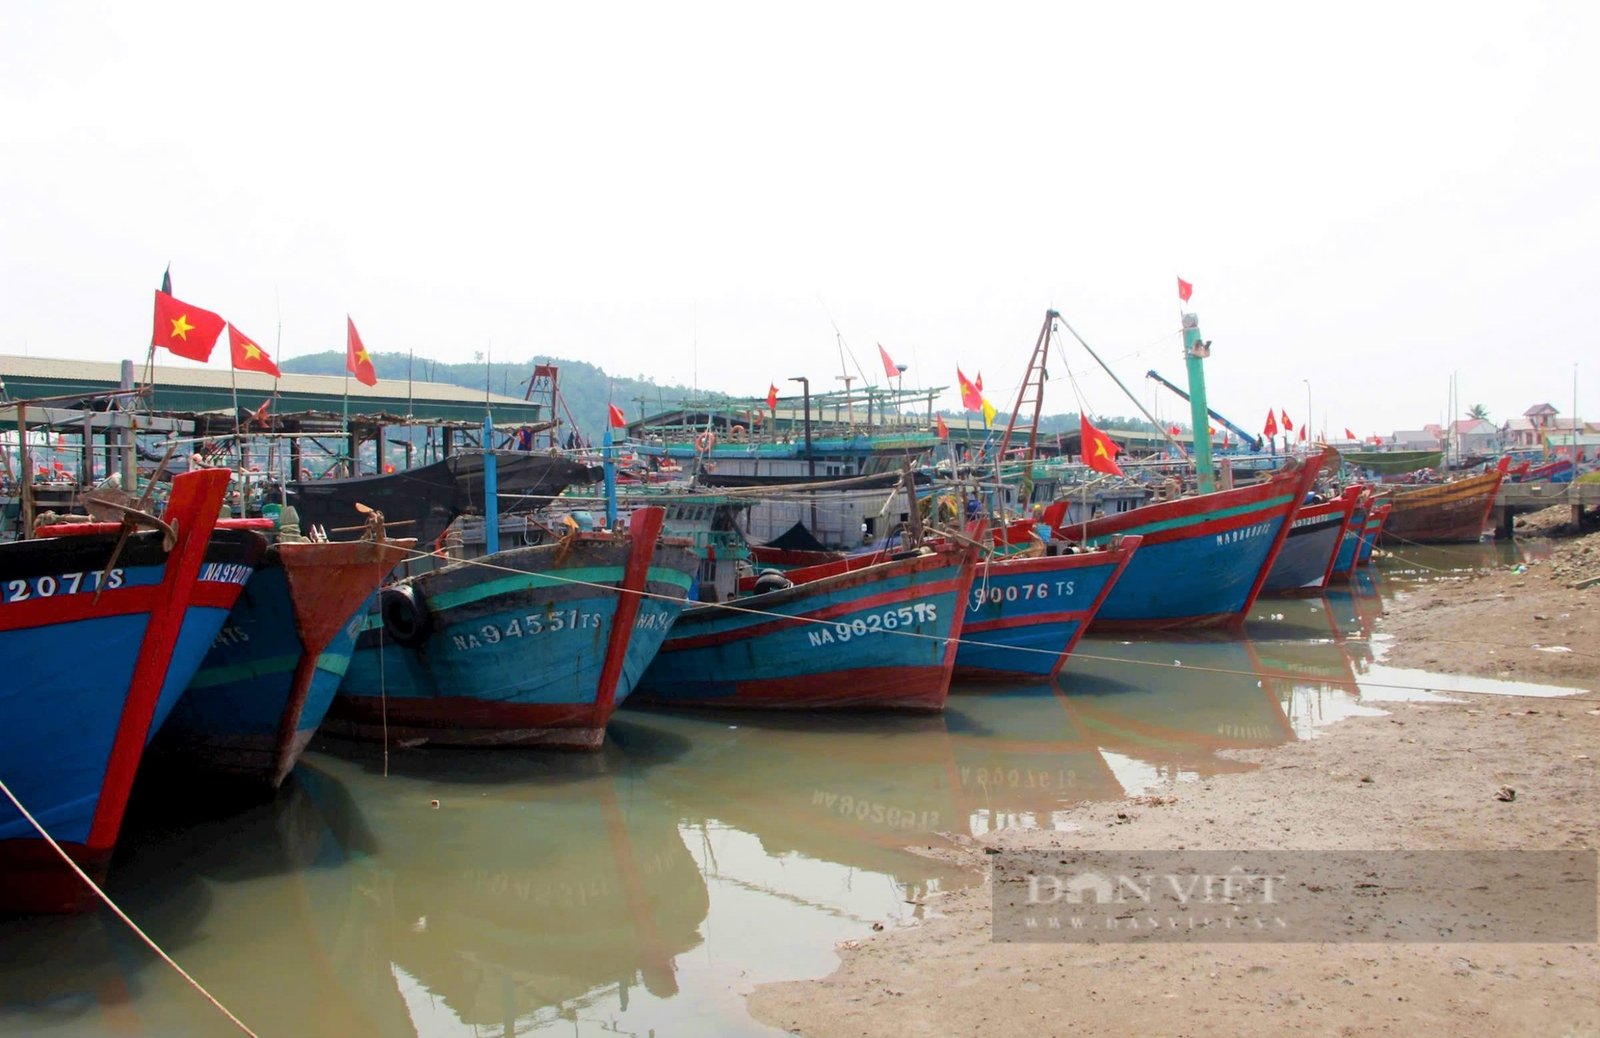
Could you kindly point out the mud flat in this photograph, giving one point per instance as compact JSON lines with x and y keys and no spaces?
{"x":1537,"y":624}
{"x":1434,"y":775}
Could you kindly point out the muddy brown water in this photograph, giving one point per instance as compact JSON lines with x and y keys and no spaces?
{"x":645,"y":889}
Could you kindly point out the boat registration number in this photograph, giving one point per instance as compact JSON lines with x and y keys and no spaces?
{"x":874,"y":623}
{"x":527,"y":626}
{"x":1019,"y":592}
{"x":22,"y":589}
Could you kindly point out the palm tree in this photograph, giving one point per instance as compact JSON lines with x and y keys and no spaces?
{"x":1478,"y":411}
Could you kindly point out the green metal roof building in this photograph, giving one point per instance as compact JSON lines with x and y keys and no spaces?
{"x":190,"y":390}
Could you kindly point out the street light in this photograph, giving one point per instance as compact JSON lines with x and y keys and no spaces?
{"x":811,"y":462}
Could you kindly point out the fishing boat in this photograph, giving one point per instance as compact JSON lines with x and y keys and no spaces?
{"x":101,"y":628}
{"x":1310,"y":551}
{"x":1204,"y":558}
{"x":1371,"y":531}
{"x":1392,"y":463}
{"x":531,"y":646}
{"x":264,"y":687}
{"x":876,"y":636}
{"x":1349,"y":553}
{"x":1444,"y":513}
{"x":1025,"y":614}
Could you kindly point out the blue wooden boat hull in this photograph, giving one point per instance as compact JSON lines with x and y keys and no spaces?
{"x":229,"y":721}
{"x":1204,"y":559}
{"x":90,"y":678}
{"x":1302,"y":562}
{"x":879,"y":637}
{"x":531,"y":646}
{"x":1024,"y":616}
{"x":1369,"y":538}
{"x":1350,"y":545}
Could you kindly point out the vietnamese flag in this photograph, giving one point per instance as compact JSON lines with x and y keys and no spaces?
{"x":357,"y":360}
{"x":944,"y":430}
{"x":1348,"y":434}
{"x":1288,"y":426}
{"x":1302,"y":434}
{"x":1271,"y":428}
{"x":247,"y":356}
{"x":1174,"y":430}
{"x":889,"y":368}
{"x":618,"y":419}
{"x":772,"y":396}
{"x":971,"y":395}
{"x":186,"y":330}
{"x":1185,"y":290}
{"x":1099,"y":453}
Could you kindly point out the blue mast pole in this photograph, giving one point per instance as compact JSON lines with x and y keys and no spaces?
{"x":611,"y":478}
{"x":491,"y":489}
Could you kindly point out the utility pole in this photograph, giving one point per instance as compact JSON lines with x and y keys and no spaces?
{"x":811,"y":461}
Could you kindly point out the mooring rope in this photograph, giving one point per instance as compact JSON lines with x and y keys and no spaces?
{"x":1076,"y":654}
{"x":103,"y":896}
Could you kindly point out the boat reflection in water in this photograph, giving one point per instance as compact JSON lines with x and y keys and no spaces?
{"x":1021,"y":758}
{"x":270,"y":908}
{"x":541,"y":890}
{"x":649,"y":886}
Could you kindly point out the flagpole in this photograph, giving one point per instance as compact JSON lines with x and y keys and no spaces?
{"x":238,"y":429}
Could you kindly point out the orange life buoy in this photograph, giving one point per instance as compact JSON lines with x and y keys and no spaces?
{"x":738,"y":433}
{"x":705,"y":441}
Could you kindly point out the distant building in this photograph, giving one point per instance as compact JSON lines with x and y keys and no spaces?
{"x":1536,"y":422}
{"x":1427,"y":439}
{"x":1475,"y":436}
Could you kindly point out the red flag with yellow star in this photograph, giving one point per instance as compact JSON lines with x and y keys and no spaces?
{"x":1099,"y":453}
{"x":186,"y":330}
{"x":357,"y":360}
{"x":247,"y":356}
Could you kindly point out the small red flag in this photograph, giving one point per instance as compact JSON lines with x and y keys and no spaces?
{"x":186,"y":330}
{"x":247,"y":356}
{"x":944,"y":430}
{"x":978,"y":382}
{"x":1288,"y":426}
{"x":357,"y":360}
{"x":1185,"y":290}
{"x":772,"y":397}
{"x":1099,"y":453}
{"x":618,"y":419}
{"x":1174,"y":430}
{"x":1302,"y":434}
{"x":889,"y":368}
{"x":971,"y":395}
{"x":1348,"y":434}
{"x":1271,"y":428}
{"x":1224,"y":439}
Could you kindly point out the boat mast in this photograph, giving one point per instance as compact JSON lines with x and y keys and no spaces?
{"x":1195,"y":351}
{"x":1031,"y":391}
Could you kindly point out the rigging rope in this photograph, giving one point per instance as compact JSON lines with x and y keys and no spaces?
{"x":103,"y":896}
{"x":1076,"y":654}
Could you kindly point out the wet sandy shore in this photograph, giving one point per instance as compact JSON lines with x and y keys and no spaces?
{"x":1422,"y":776}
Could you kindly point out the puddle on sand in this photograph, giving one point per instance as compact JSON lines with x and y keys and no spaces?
{"x":648,"y":887}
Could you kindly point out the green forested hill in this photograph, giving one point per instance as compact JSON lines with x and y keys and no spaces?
{"x":587,"y":389}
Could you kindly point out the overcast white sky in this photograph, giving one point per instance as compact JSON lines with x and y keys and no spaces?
{"x":1366,"y":198}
